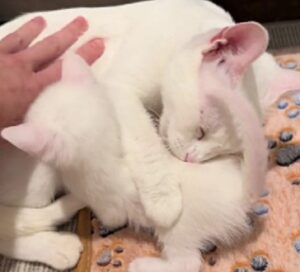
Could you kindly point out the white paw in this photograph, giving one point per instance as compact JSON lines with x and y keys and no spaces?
{"x":164,"y":207}
{"x":165,"y":211}
{"x":112,"y":218}
{"x":204,"y":151}
{"x":147,"y":265}
{"x":62,"y":250}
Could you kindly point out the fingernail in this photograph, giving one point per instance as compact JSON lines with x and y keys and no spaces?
{"x":39,"y":20}
{"x":82,"y":23}
{"x":97,"y":43}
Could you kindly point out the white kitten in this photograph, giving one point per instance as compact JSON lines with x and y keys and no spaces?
{"x":73,"y":129}
{"x":72,"y":126}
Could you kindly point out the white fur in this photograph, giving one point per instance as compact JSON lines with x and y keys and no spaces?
{"x":151,"y":33}
{"x":123,"y":28}
{"x":60,"y":250}
{"x":27,"y":221}
{"x":26,"y":233}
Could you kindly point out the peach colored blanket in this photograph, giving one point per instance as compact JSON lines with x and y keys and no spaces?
{"x":275,"y":244}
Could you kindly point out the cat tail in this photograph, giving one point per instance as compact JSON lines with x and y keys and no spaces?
{"x":18,"y":221}
{"x":254,"y":146}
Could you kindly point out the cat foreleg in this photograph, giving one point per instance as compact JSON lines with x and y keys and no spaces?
{"x":63,"y":209}
{"x":23,"y":221}
{"x":159,"y":192}
{"x":149,"y":161}
{"x":58,"y":250}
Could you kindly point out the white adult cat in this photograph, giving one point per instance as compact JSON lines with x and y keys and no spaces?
{"x":72,"y":126}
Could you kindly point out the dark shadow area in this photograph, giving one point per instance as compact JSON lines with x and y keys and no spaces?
{"x":242,"y":10}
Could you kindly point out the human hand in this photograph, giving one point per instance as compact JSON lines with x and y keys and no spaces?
{"x":25,"y":71}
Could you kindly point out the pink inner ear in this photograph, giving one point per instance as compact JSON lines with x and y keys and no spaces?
{"x":238,"y":46}
{"x":219,"y":36}
{"x":26,"y":137}
{"x":216,"y":49}
{"x":249,"y":39}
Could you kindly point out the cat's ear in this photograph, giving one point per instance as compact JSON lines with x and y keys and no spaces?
{"x":33,"y":140}
{"x":236,"y":47}
{"x":76,"y":70}
{"x":26,"y":137}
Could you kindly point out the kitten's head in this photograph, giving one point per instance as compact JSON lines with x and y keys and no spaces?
{"x":49,"y":126}
{"x":212,"y":61}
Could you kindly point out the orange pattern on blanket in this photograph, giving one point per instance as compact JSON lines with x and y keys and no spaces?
{"x":275,"y":243}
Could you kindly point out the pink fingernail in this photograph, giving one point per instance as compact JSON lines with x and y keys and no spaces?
{"x":97,"y":43}
{"x":82,"y":23}
{"x":39,"y":20}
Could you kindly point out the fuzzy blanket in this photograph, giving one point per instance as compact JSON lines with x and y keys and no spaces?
{"x":275,"y":243}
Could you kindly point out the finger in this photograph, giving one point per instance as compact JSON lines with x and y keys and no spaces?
{"x":22,"y":37}
{"x":55,"y":45}
{"x":48,"y":76}
{"x":90,"y":51}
